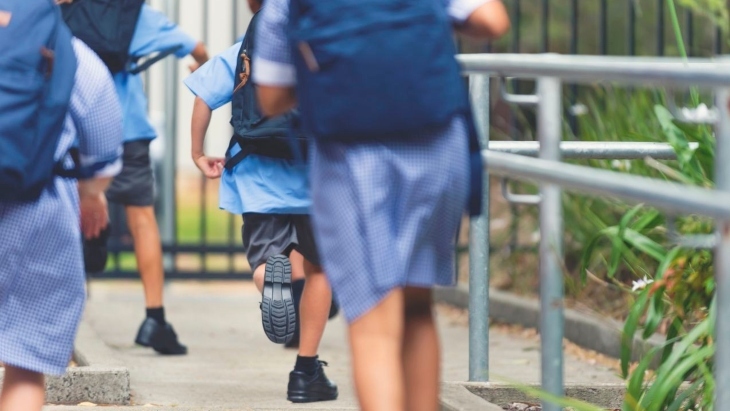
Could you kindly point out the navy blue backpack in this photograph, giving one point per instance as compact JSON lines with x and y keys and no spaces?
{"x":371,"y":68}
{"x":379,"y":69}
{"x":37,"y":69}
{"x":275,"y":137}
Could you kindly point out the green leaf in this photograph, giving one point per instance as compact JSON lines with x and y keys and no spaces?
{"x":674,"y":135}
{"x":669,"y":380}
{"x":588,"y":251}
{"x":650,"y":219}
{"x":630,"y":327}
{"x":684,"y":396}
{"x":635,"y":388}
{"x":655,"y":315}
{"x":672,"y":333}
{"x":678,"y":140}
{"x":645,"y":245}
{"x":627,"y":218}
{"x":672,"y":371}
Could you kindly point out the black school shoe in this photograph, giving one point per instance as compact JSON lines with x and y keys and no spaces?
{"x":159,"y":337}
{"x":278,"y":315}
{"x":310,"y":388}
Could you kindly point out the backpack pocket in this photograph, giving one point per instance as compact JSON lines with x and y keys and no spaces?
{"x":20,"y":103}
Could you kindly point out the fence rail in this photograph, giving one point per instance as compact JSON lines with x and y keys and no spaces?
{"x":551,"y":174}
{"x":593,"y":150}
{"x":648,"y":71}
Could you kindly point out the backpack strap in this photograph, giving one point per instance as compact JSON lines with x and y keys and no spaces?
{"x":78,"y":171}
{"x":133,"y":69}
{"x":476,"y":166}
{"x":232,"y":161}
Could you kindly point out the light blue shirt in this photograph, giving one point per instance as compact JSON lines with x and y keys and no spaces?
{"x":154,"y":33}
{"x":257,"y":184}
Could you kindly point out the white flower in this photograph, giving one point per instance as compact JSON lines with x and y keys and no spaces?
{"x":578,"y":109}
{"x":641,"y":284}
{"x":700,"y":114}
{"x":623,"y":165}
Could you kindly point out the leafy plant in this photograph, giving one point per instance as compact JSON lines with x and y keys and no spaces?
{"x":673,"y":287}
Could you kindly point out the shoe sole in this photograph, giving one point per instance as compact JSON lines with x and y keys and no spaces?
{"x":300,"y":398}
{"x":165,"y":351}
{"x":277,"y":306}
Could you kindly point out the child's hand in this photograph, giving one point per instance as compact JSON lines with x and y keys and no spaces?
{"x":212,"y":167}
{"x":94,"y":213}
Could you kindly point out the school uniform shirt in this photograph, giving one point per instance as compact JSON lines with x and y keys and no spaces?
{"x":154,"y":33}
{"x":42,"y":279}
{"x":385,"y":214}
{"x":257,"y":184}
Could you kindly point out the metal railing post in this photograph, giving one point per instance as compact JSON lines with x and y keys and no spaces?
{"x":167,"y":179}
{"x":479,"y":246}
{"x":722,"y":254}
{"x":549,"y":130}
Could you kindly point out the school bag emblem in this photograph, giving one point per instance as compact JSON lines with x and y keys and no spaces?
{"x":37,"y":69}
{"x":107,"y":27}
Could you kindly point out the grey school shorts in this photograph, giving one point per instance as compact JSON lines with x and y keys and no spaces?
{"x":265,"y":235}
{"x":135,"y":184}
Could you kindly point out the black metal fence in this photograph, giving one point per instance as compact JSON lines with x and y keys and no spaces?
{"x":205,"y":241}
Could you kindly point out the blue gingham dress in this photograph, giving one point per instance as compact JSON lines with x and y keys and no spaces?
{"x":385,"y":214}
{"x":42,"y":275}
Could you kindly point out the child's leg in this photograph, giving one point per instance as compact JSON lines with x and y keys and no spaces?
{"x":314,"y":309}
{"x":420,"y":351}
{"x":258,"y":277}
{"x":297,"y":270}
{"x":376,"y":340}
{"x":23,"y":390}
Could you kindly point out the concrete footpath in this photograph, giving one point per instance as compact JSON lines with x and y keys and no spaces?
{"x":231,"y":365}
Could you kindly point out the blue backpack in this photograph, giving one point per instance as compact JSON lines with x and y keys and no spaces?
{"x":379,"y":69}
{"x":275,"y":137}
{"x":368,"y":69}
{"x":37,"y":69}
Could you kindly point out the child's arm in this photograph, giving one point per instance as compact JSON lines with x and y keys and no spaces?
{"x":200,"y":55}
{"x":212,"y":167}
{"x":489,"y":20}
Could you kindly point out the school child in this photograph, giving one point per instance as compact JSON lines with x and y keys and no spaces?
{"x":42,"y":281}
{"x":142,"y":31}
{"x":262,"y":180}
{"x":386,"y":205}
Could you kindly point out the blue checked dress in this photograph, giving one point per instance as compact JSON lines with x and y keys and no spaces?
{"x":42,"y":276}
{"x":385,"y":214}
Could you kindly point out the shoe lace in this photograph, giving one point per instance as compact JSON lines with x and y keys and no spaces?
{"x":324,"y":363}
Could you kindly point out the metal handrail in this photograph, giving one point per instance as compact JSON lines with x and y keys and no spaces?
{"x":551,"y":71}
{"x":650,"y":71}
{"x":594,"y":150}
{"x":671,"y":197}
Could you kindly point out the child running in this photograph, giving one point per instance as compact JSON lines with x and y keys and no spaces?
{"x":261,"y":180}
